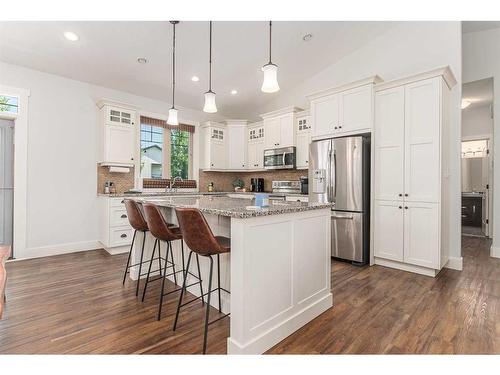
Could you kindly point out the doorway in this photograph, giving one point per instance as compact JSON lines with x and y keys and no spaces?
{"x":6,"y":181}
{"x":477,"y":158}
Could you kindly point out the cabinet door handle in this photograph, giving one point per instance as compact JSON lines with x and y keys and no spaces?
{"x":123,"y":216}
{"x":123,"y":235}
{"x":400,"y":207}
{"x":123,"y":201}
{"x":406,"y":207}
{"x":335,"y":128}
{"x":400,"y":194}
{"x":406,"y":194}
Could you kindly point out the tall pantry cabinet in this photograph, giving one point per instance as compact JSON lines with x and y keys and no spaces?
{"x":410,"y":143}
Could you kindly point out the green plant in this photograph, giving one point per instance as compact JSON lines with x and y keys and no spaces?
{"x":238,"y":183}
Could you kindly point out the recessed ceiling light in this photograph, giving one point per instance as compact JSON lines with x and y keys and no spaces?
{"x":195,"y":78}
{"x":307,"y":37}
{"x":142,"y":60}
{"x":71,"y":36}
{"x":234,"y":92}
{"x":465,"y":103}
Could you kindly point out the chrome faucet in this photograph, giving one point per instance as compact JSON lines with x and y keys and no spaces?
{"x":171,"y":185}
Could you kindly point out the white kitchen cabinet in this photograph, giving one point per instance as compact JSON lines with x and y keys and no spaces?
{"x":388,"y":224}
{"x":279,"y":128}
{"x":303,"y":140}
{"x":344,"y":110}
{"x":117,"y":141}
{"x":116,"y":232}
{"x":214,"y":145}
{"x":389,"y":145}
{"x":237,"y":148}
{"x":255,"y":152}
{"x":410,"y":172}
{"x":421,"y":234}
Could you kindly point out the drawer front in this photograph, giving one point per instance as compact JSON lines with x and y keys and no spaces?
{"x":292,"y":198}
{"x":118,"y":217}
{"x":120,"y":236}
{"x":117,"y":202}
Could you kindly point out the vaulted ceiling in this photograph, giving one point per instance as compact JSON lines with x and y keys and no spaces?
{"x":106,"y":55}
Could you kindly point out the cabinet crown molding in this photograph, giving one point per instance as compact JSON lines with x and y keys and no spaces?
{"x":213,"y":123}
{"x":236,"y":122}
{"x":370,"y":80}
{"x":280,"y":112}
{"x":112,"y":103}
{"x":444,"y":72}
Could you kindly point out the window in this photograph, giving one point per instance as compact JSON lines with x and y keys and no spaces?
{"x":9,"y":104}
{"x":179,"y":153}
{"x":151,"y":151}
{"x":165,"y":153}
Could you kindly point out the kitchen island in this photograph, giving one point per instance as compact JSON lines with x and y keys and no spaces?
{"x":278,"y":270}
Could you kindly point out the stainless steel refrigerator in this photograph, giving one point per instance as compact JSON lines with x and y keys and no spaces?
{"x":339,"y":172}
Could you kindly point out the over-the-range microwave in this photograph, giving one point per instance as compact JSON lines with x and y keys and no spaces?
{"x":280,"y":158}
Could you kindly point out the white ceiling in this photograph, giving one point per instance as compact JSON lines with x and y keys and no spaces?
{"x":479,"y":93}
{"x":107,"y":53}
{"x":472,"y":26}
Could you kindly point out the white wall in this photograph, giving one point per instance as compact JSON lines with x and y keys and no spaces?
{"x":477,"y":123}
{"x":409,"y":48}
{"x":62,"y":153}
{"x":481,"y":59}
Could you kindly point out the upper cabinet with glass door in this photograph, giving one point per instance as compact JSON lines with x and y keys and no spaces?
{"x":119,"y":116}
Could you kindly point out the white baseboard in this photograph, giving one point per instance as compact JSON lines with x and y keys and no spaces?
{"x":495,"y":251}
{"x":455,"y":263}
{"x":44,"y":251}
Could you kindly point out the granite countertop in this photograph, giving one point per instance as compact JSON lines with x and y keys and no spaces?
{"x":233,"y":207}
{"x":193,"y":193}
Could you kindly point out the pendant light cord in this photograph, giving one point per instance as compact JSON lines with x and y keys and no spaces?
{"x":173,"y":70}
{"x":270,"y":32}
{"x":210,"y":61}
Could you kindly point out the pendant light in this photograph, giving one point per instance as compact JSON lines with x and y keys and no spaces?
{"x":172,"y":113}
{"x":270,"y":83}
{"x":210,"y":106}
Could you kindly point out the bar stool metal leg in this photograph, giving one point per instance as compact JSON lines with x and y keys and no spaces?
{"x":129,"y":256}
{"x":182,"y":290}
{"x":218,"y":281}
{"x":199,"y":277}
{"x":207,"y":314}
{"x":163,"y":283}
{"x":173,"y":264}
{"x":149,"y":269}
{"x":140,"y":264}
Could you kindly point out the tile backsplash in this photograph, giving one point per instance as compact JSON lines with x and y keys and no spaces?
{"x":122,"y":181}
{"x":223,"y":180}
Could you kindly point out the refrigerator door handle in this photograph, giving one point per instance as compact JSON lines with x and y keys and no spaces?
{"x":342,"y":217}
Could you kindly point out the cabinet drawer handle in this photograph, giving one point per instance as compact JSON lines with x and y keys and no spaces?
{"x":123,"y":216}
{"x":123,"y":201}
{"x":123,"y":235}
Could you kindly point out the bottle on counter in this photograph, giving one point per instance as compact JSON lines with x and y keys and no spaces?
{"x":210,"y":187}
{"x":106,"y":187}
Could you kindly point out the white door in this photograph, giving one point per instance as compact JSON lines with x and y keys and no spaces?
{"x":303,"y":140}
{"x":287,"y":131}
{"x":120,"y":144}
{"x":421,"y":234}
{"x":422,"y":141}
{"x":237,"y":147}
{"x":356,"y":110}
{"x":389,"y":144}
{"x":388,"y":230}
{"x":6,"y":181}
{"x":325,"y":115}
{"x":273,"y":133}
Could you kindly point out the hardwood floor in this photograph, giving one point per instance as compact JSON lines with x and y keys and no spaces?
{"x":75,"y":303}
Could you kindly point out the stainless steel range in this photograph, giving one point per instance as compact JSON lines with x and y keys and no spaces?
{"x":286,"y":187}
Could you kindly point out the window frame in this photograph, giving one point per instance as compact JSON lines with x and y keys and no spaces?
{"x":166,"y":153}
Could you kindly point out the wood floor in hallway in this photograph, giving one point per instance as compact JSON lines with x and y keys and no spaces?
{"x":75,"y":303}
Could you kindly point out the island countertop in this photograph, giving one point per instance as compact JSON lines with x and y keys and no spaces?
{"x":232,"y":207}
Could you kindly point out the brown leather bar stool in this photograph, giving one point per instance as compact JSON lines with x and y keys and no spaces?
{"x":200,"y":240}
{"x":164,"y":231}
{"x":137,"y":221}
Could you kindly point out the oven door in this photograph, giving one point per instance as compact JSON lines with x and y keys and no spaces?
{"x":281,"y":158}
